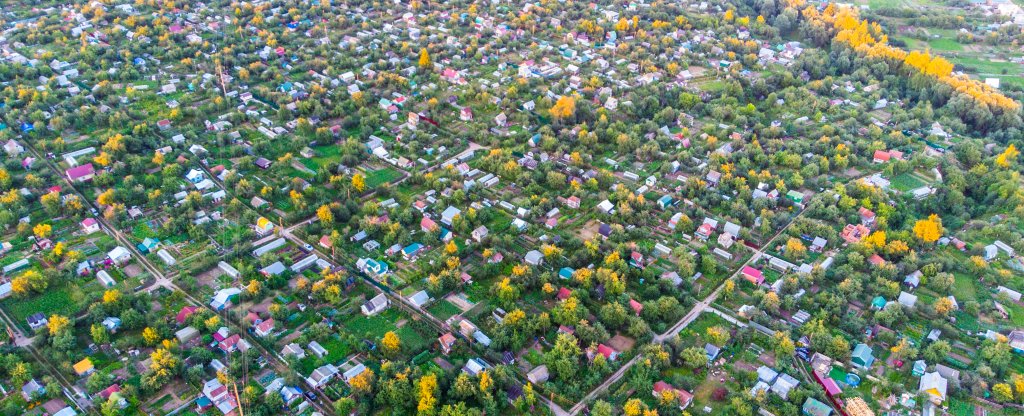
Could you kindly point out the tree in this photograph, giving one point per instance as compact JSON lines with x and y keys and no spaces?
{"x":563,"y":358}
{"x":325,"y":215}
{"x":427,"y":394}
{"x":564,"y":108}
{"x":391,"y":345}
{"x":928,"y":230}
{"x":424,"y":59}
{"x":359,"y":182}
{"x":150,"y":336}
{"x":1002,"y":392}
{"x":937,"y":350}
{"x":795,"y":248}
{"x":1007,"y":157}
{"x":57,"y":324}
{"x":693,"y":357}
{"x":362,"y":384}
{"x":99,"y":334}
{"x":42,"y":230}
{"x":943,"y":306}
{"x":718,"y":335}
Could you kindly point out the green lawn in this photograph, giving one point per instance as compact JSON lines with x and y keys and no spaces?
{"x":444,"y":310}
{"x":963,"y":287}
{"x":373,"y":327}
{"x":906,"y":181}
{"x":381,"y":176}
{"x":52,"y":301}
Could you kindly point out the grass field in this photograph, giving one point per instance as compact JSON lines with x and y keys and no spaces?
{"x":443,"y":310}
{"x":906,"y":181}
{"x":373,"y":327}
{"x":52,"y":301}
{"x":381,"y":176}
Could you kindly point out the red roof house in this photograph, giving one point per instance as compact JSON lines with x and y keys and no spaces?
{"x":81,"y":173}
{"x":185,"y":312}
{"x":636,"y":306}
{"x":563,"y":294}
{"x":752,"y":275}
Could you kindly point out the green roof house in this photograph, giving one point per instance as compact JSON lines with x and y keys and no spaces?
{"x":795,"y":196}
{"x":862,"y":356}
{"x":878,"y":303}
{"x":814,"y":407}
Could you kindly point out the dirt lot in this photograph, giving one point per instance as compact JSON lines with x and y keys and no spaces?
{"x":132,"y":270}
{"x":589,"y":230}
{"x":209,"y":277}
{"x":621,"y":343}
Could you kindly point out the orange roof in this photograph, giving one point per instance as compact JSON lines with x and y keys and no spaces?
{"x":83,"y":366}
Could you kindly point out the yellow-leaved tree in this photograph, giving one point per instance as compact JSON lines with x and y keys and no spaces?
{"x":424,"y":58}
{"x":390,"y":345}
{"x":565,"y":107}
{"x":928,"y":230}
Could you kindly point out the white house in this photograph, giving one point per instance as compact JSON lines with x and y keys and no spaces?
{"x":119,"y":255}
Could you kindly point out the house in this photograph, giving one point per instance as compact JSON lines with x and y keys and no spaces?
{"x":563,"y":293}
{"x":353,"y":372}
{"x":852,"y":234}
{"x":216,"y":395}
{"x":119,"y":255}
{"x":372,"y":267}
{"x":262,"y":163}
{"x":90,"y":225}
{"x":427,"y":225}
{"x":818,"y":244}
{"x":636,"y":306}
{"x":447,"y":341}
{"x":933,"y":385}
{"x":449,"y":214}
{"x":264,"y":328}
{"x":609,"y":353}
{"x":84,"y":367}
{"x":263,"y":226}
{"x":814,"y":407}
{"x":534,"y":258}
{"x":411,"y":251}
{"x":322,"y":375}
{"x":37,"y":320}
{"x":480,"y":233}
{"x":184,"y":313}
{"x":913,"y":280}
{"x":32,"y":389}
{"x":862,"y":356}
{"x":147,"y":245}
{"x":867,"y":216}
{"x":295,"y":350}
{"x":711,"y":351}
{"x":112,"y":323}
{"x":223,"y":298}
{"x":1016,"y":340}
{"x":234,"y":343}
{"x":907,"y":299}
{"x":606,"y":207}
{"x":876,"y":260}
{"x":475,"y":366}
{"x":420,"y":298}
{"x":81,"y":173}
{"x":685,"y":398}
{"x":13,"y":149}
{"x":538,"y":375}
{"x":317,"y":349}
{"x":573,"y":202}
{"x":376,"y":305}
{"x":752,"y":275}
